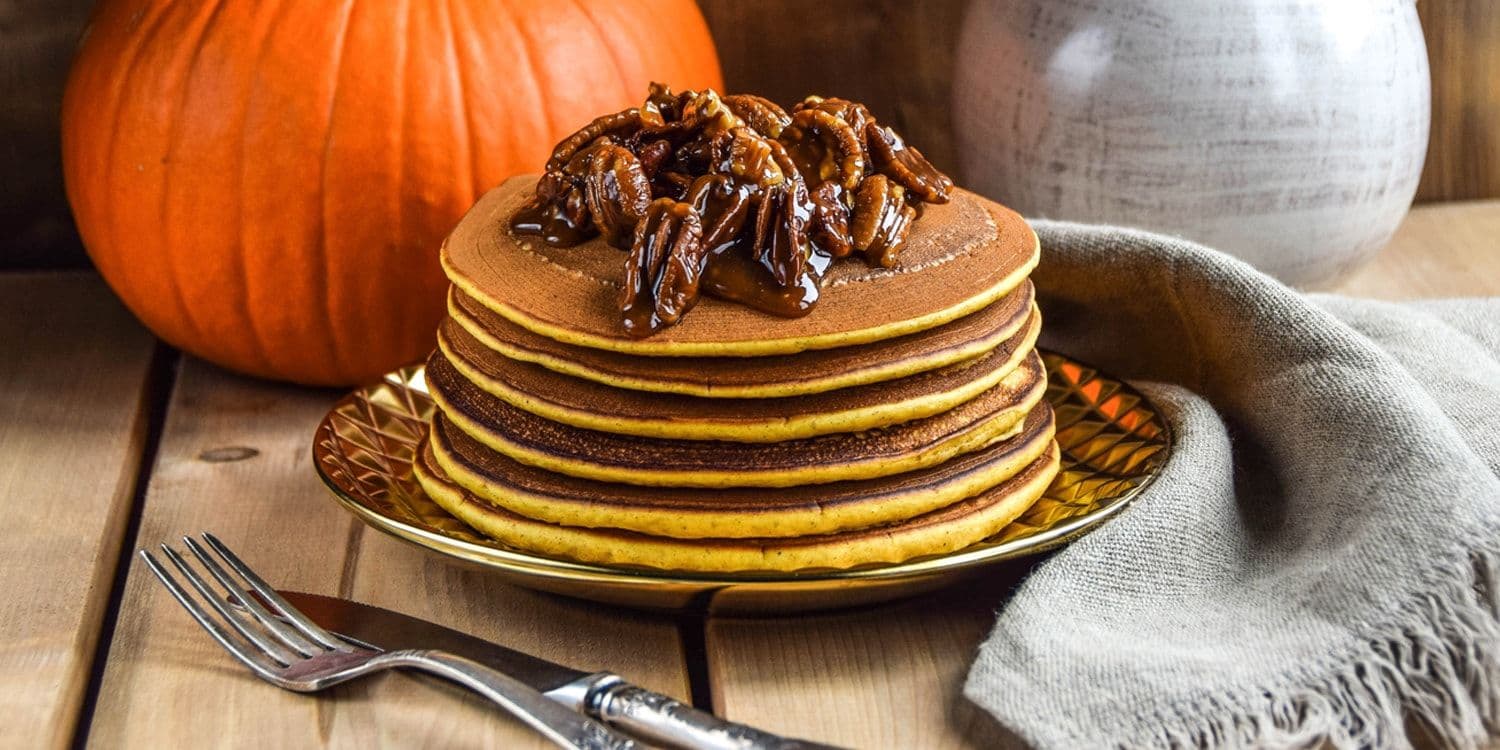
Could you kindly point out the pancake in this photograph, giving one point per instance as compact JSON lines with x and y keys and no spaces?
{"x":994,"y":415}
{"x":764,"y":377}
{"x":591,"y":406}
{"x":943,"y":530}
{"x":961,"y":257}
{"x":738,"y":511}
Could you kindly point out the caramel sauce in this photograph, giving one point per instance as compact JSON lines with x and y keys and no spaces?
{"x":548,"y":223}
{"x":733,"y":275}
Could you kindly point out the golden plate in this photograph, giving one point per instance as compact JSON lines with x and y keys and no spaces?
{"x":1113,"y":440}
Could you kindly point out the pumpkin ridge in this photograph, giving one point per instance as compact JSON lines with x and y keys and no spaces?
{"x":681,"y":59}
{"x":401,"y":109}
{"x":457,"y":79}
{"x":528,"y":57}
{"x":341,"y":43}
{"x":604,"y":41}
{"x":186,"y":311}
{"x":103,"y":205}
{"x":470,"y":145}
{"x":257,"y":341}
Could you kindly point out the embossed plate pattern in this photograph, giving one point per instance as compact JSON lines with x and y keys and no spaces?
{"x":1113,"y":443}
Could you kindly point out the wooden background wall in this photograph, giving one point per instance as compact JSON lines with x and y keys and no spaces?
{"x":896,"y":55}
{"x":1463,"y":46}
{"x":36,"y":45}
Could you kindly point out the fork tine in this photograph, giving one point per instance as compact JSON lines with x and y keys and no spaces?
{"x":235,"y":620}
{"x":291,"y":637}
{"x":299,"y":620}
{"x":255,"y":660}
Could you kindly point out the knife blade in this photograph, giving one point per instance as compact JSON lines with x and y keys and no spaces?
{"x":605,"y":696}
{"x":385,"y":630}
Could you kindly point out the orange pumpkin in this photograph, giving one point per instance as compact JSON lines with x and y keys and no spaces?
{"x":266,"y":184}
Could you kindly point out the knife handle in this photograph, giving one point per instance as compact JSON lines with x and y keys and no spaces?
{"x":564,"y":727}
{"x":665,"y":721}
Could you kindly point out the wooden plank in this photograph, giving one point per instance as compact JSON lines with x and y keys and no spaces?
{"x":167,"y":685}
{"x":884,"y":676}
{"x":72,"y":424}
{"x":1441,"y":250}
{"x":890,"y":676}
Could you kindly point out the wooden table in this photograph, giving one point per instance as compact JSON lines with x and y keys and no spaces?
{"x":110,"y":441}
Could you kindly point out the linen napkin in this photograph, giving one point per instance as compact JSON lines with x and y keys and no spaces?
{"x":1319,"y":558}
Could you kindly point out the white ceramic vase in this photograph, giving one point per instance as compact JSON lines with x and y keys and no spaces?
{"x":1290,"y":133}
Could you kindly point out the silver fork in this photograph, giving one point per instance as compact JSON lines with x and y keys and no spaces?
{"x":288,"y":650}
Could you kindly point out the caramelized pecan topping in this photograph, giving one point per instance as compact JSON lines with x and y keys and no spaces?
{"x":759,"y":113}
{"x":672,"y":184}
{"x":780,"y":242}
{"x":732,"y":195}
{"x":751,"y":159}
{"x":662,"y":102}
{"x":906,"y":165}
{"x":831,"y":220}
{"x":652,"y":155}
{"x":616,"y":190}
{"x":617,"y":125}
{"x":881,"y":220}
{"x":663,"y":268}
{"x":725,"y":202}
{"x":853,"y":113}
{"x":830,"y":150}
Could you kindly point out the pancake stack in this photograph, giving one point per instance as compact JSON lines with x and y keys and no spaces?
{"x":903,"y":417}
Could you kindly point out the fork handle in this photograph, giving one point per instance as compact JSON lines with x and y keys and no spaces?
{"x":565,"y":727}
{"x":665,"y":721}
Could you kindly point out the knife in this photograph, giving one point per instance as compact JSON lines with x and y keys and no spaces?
{"x":605,"y":696}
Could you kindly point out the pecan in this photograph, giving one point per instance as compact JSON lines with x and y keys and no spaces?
{"x":660,"y":101}
{"x":828,"y":147}
{"x":558,"y":211}
{"x":652,"y":155}
{"x":619,"y":125}
{"x":881,"y":220}
{"x":811,"y":100}
{"x":554,"y":186}
{"x":616,"y":190}
{"x":723,"y":205}
{"x":853,"y":113}
{"x":663,"y":268}
{"x":706,"y":110}
{"x":707,"y":151}
{"x":760,"y":113}
{"x":830,"y":219}
{"x":671,"y":184}
{"x":890,"y":156}
{"x":780,"y":242}
{"x":789,"y":249}
{"x":671,"y":107}
{"x":788,"y":166}
{"x":751,"y":158}
{"x":673,"y":132}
